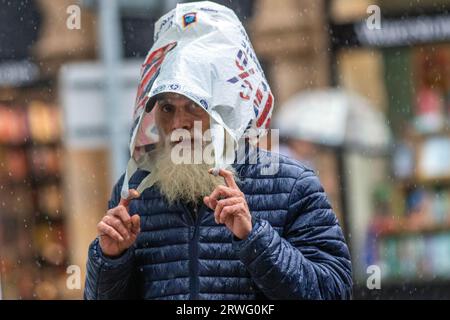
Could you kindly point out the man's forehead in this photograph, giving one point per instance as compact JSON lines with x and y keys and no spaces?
{"x":172,"y":96}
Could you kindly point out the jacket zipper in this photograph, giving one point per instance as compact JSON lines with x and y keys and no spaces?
{"x":193,"y":250}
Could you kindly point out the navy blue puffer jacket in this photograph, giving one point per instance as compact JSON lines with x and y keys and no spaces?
{"x":296,"y":249}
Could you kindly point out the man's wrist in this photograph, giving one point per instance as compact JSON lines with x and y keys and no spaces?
{"x":245,"y":237}
{"x":255,"y":243}
{"x":109,"y":256}
{"x":111,"y":260}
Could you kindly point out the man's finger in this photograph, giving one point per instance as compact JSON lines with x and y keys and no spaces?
{"x":221,"y":204}
{"x":121,"y":213}
{"x":135,"y":224}
{"x":228,"y":177}
{"x":105,"y":229}
{"x":221,"y":192}
{"x":229,"y":211}
{"x":132,"y":194}
{"x":206,"y":201}
{"x":118,"y":225}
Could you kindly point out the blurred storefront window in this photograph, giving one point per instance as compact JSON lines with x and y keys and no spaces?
{"x":404,"y":69}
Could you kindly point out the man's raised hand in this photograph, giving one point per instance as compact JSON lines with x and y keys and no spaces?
{"x":118,"y":230}
{"x":230,"y":206}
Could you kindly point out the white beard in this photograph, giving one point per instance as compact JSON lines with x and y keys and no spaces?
{"x":187,"y":183}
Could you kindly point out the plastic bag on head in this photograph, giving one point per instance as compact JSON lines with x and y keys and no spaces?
{"x":201,"y":51}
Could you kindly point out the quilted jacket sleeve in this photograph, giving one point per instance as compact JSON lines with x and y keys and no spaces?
{"x":310,"y":260}
{"x":110,"y":278}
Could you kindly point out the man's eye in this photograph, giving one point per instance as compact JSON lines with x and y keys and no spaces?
{"x":167,"y":108}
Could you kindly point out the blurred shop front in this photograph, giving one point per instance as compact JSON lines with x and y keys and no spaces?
{"x":394,"y":205}
{"x":35,"y":233}
{"x":404,"y":69}
{"x":55,"y":170}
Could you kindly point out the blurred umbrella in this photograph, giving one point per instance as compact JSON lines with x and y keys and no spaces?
{"x":334,"y":118}
{"x":340,"y":120}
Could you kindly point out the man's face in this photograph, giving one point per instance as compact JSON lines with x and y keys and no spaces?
{"x":188,"y":182}
{"x":175,"y":111}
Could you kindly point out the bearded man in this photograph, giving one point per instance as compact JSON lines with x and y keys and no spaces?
{"x":192,"y":234}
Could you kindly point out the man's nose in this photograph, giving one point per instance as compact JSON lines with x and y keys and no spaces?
{"x":181,"y":120}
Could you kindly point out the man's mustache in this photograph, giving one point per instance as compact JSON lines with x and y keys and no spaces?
{"x":180,"y":136}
